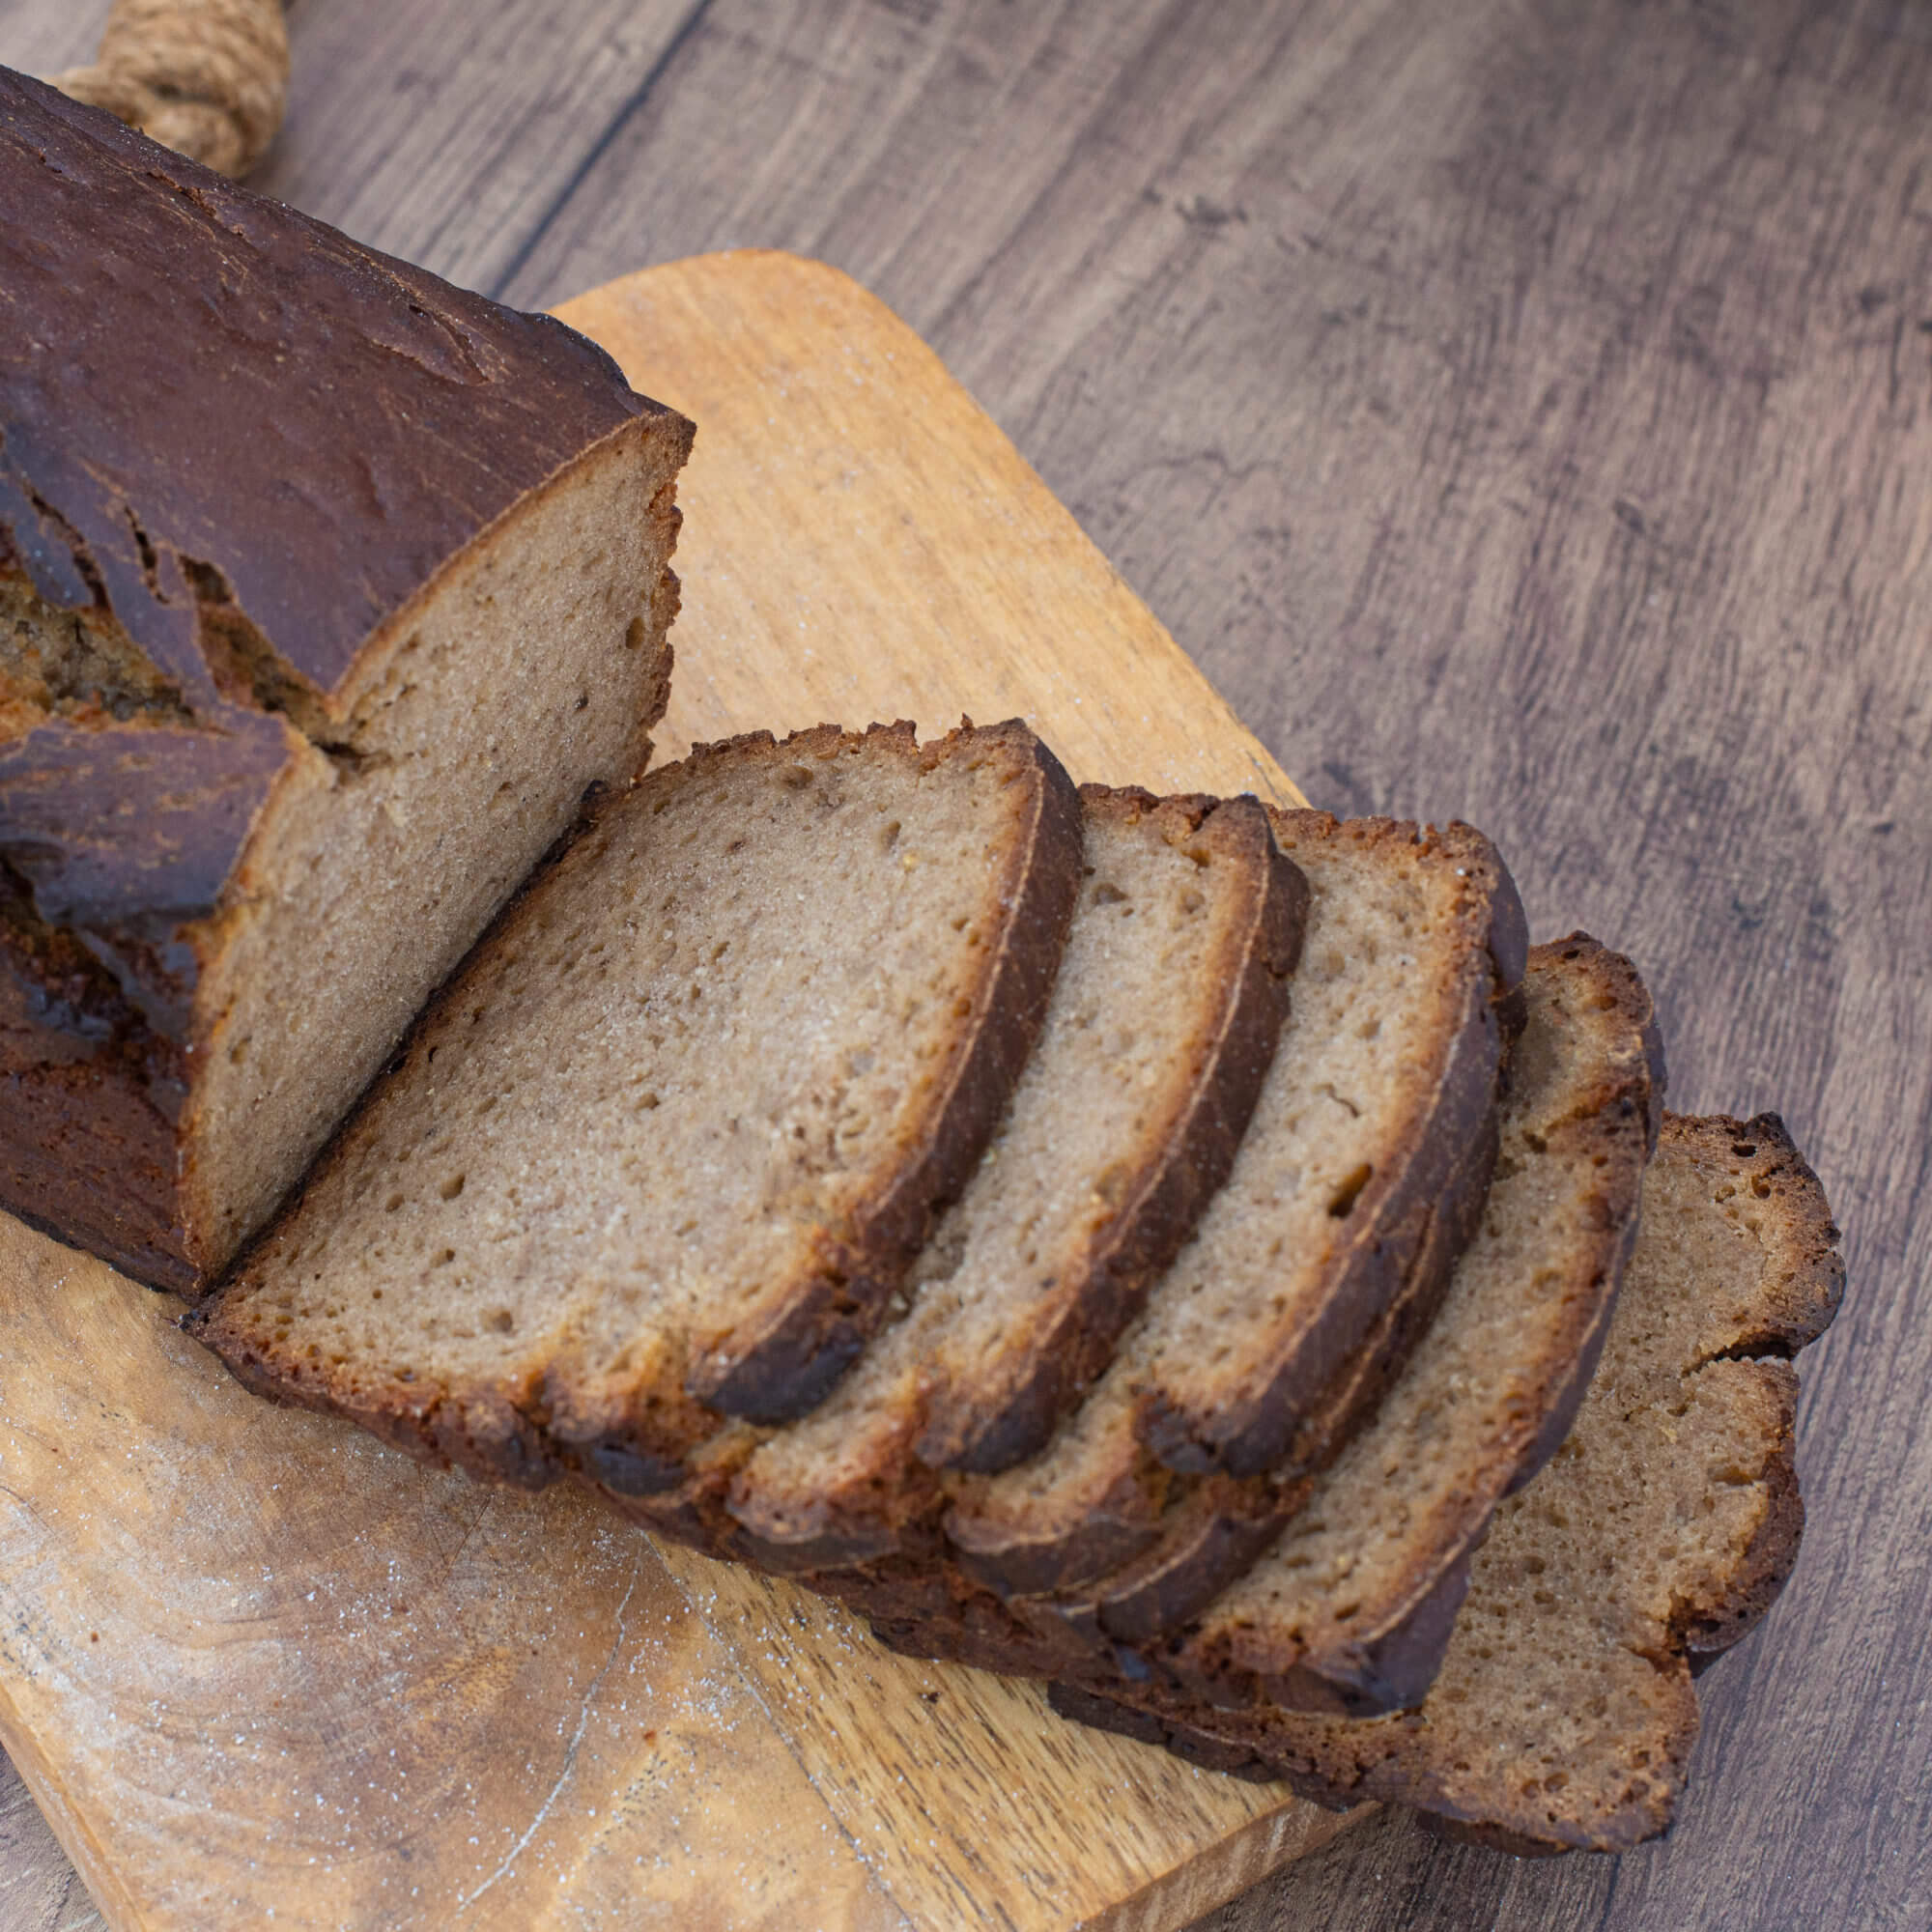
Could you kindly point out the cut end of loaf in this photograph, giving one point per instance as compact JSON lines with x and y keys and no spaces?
{"x":530,"y":672}
{"x":407,"y":808}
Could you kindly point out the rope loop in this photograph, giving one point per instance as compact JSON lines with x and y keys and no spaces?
{"x":206,"y":77}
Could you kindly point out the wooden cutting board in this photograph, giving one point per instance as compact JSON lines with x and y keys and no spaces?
{"x":261,"y":1671}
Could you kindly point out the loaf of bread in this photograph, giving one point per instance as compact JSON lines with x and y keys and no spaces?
{"x":326,"y":591}
{"x":1564,"y":1714}
{"x":593,"y":1223}
{"x":663,"y":1150}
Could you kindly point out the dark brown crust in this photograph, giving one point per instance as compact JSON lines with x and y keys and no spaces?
{"x":1046,"y":1368}
{"x":784,"y":1365}
{"x":91,"y":1128}
{"x":86,"y":1088}
{"x":428,"y":412}
{"x":433,"y":411}
{"x":1035,"y":1560}
{"x":1391,"y":1759}
{"x":1491,"y":1837}
{"x":1214,"y":1535}
{"x":1249,"y":1432}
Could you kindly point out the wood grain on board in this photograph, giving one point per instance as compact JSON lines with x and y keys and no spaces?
{"x":1520,"y":409}
{"x":257,"y":1667}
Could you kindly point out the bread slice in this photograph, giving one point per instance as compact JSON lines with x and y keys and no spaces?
{"x":1157,"y":1042}
{"x":668,"y":1141}
{"x":1360,"y":1180}
{"x":1659,"y":1534}
{"x":326,"y":591}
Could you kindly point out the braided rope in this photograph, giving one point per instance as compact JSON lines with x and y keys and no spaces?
{"x":206,"y":77}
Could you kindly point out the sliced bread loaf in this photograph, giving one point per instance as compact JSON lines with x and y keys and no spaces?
{"x":1351,"y":1608}
{"x":1659,"y":1534}
{"x":326,"y":591}
{"x":1156,"y":1042}
{"x":667,"y":1143}
{"x":1324,"y":1256}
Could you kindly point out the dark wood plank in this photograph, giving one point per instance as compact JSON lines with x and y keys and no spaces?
{"x":445,"y":136}
{"x":1520,"y":411}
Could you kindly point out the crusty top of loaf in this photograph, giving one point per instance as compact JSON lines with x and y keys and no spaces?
{"x":211,"y":403}
{"x":156,"y":308}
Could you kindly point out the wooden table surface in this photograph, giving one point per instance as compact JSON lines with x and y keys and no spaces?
{"x":1520,"y":411}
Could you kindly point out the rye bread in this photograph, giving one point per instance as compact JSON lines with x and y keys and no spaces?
{"x":667,"y":1143}
{"x":1207,"y":1537}
{"x":1388,"y":1068}
{"x":1351,"y":1608}
{"x":1658,"y":1535}
{"x":1159,"y":1034}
